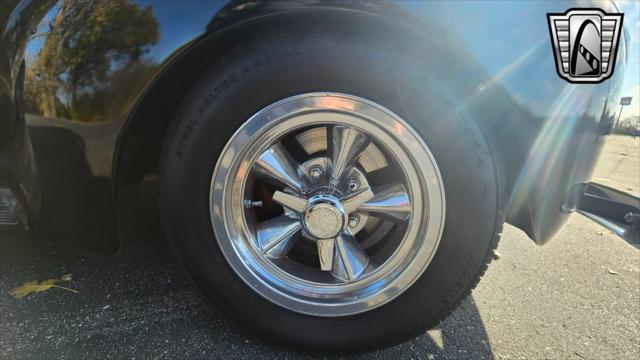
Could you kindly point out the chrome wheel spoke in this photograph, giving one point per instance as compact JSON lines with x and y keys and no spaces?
{"x":325,"y":253}
{"x":277,"y":236}
{"x":356,"y":201}
{"x":292,"y":202}
{"x":349,"y":259}
{"x":390,"y":202}
{"x":345,"y":145}
{"x":276,"y":166}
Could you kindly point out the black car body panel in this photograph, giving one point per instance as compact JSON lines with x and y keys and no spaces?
{"x":97,"y":84}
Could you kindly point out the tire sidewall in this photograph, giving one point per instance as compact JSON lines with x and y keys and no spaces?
{"x":301,"y":62}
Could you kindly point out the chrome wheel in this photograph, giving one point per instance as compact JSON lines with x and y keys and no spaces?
{"x":327,"y":204}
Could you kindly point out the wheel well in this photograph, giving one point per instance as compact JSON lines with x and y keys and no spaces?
{"x":139,"y":145}
{"x":140,"y":142}
{"x":141,"y":138}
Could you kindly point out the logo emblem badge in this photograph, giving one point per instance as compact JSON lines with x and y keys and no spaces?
{"x":585,"y":43}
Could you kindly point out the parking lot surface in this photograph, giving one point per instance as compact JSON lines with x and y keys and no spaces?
{"x":576,"y":297}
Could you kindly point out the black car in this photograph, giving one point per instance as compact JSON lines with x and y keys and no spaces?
{"x":331,"y":174}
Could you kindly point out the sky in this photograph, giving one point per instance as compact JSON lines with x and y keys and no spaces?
{"x":631,"y":85}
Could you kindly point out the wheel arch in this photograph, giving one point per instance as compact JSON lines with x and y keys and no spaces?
{"x":155,"y":108}
{"x":138,"y":147}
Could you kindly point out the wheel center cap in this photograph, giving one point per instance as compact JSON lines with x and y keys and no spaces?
{"x":324,"y":217}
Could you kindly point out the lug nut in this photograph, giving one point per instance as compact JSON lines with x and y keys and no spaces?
{"x":353,"y":221}
{"x":315,"y":172}
{"x":353,"y":185}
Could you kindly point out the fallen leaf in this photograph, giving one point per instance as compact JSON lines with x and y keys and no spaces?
{"x":36,"y":287}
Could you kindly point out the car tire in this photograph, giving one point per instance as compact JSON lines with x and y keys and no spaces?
{"x":307,"y":61}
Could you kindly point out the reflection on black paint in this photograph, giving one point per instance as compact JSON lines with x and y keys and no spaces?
{"x":91,"y":59}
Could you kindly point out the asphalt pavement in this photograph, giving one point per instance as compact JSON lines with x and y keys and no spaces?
{"x":577,"y":297}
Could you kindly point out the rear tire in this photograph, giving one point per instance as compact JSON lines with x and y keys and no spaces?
{"x":308,"y":61}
